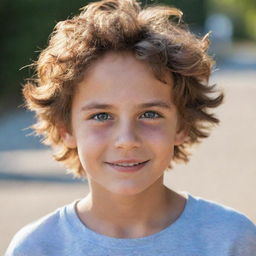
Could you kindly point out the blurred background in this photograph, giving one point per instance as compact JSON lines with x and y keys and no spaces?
{"x":222,"y":169}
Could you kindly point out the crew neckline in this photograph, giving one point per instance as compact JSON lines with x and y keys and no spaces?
{"x":92,"y":236}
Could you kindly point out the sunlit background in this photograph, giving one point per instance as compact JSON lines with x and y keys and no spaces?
{"x":222,"y":169}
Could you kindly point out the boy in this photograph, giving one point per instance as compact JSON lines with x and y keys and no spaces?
{"x":122,"y":93}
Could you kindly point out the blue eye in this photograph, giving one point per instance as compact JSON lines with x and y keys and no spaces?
{"x":100,"y":117}
{"x":152,"y":115}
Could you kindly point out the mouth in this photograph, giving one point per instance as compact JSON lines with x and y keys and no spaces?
{"x":127,"y":164}
{"x":128,"y":167}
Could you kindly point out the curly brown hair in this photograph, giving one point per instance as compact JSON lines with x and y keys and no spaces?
{"x":154,"y":34}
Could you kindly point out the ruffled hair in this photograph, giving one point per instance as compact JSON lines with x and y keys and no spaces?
{"x":154,"y":34}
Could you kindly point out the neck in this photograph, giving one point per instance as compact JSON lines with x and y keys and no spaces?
{"x":131,"y":215}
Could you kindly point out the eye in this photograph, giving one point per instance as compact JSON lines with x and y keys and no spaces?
{"x":101,"y":117}
{"x":152,"y":115}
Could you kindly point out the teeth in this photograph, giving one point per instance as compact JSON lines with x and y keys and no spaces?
{"x":125,"y":165}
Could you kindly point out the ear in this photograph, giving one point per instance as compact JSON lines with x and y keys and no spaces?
{"x":180,"y":136}
{"x":68,"y":139}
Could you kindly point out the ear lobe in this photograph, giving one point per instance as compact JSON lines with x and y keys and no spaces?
{"x":68,"y":139}
{"x":180,"y":137}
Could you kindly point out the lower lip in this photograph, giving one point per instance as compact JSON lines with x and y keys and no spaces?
{"x":128,"y":169}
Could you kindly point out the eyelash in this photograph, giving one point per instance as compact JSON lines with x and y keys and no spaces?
{"x":96,"y":115}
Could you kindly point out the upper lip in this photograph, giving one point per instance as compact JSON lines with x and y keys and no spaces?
{"x":130,"y":161}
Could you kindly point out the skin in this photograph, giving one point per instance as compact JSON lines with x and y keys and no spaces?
{"x":125,"y":205}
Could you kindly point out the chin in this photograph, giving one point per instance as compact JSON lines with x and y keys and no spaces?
{"x":127,"y":190}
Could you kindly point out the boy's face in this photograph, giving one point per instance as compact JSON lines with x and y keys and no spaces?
{"x":125,"y":129}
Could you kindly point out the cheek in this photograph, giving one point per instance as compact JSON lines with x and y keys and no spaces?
{"x":92,"y":137}
{"x":91,"y":142}
{"x":161,"y":140}
{"x":159,"y":134}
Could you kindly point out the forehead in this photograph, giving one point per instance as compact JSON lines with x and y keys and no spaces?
{"x":124,"y":62}
{"x":119,"y":77}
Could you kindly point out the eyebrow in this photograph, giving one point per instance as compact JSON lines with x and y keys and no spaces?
{"x":95,"y":105}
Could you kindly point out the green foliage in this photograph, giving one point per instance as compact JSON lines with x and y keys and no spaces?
{"x":26,"y":25}
{"x":242,"y":13}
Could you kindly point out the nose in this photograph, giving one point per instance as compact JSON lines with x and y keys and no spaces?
{"x":127,"y":136}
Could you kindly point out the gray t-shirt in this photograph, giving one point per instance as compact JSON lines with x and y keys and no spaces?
{"x":204,"y":228}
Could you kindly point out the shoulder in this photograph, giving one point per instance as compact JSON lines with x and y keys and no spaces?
{"x":211,"y":211}
{"x":34,"y":236}
{"x":224,"y":221}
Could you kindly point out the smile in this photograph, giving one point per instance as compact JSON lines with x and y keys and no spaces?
{"x":129,"y":164}
{"x":128,"y":167}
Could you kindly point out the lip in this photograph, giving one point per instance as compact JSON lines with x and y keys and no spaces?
{"x":128,"y":169}
{"x":127,"y":161}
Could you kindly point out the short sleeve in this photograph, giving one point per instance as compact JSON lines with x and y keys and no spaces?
{"x":19,"y":245}
{"x":245,"y":242}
